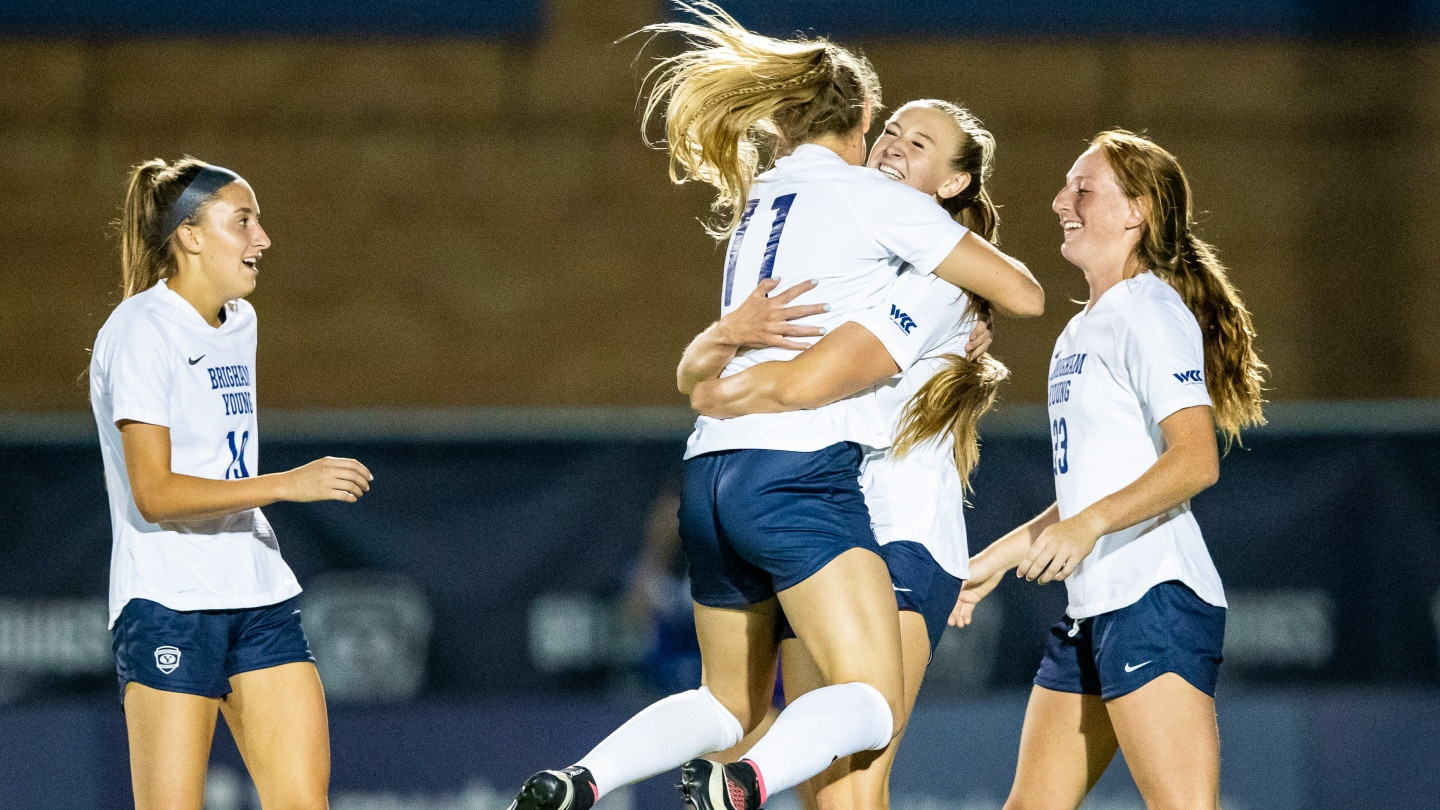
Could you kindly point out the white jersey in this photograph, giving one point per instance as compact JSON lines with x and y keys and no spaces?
{"x":814,"y":216}
{"x":1118,"y":370}
{"x":157,"y":361}
{"x":919,"y":496}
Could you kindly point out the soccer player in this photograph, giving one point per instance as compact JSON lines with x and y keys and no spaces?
{"x":915,"y":490}
{"x":202,"y":606}
{"x":771,"y":512}
{"x":1161,"y":354}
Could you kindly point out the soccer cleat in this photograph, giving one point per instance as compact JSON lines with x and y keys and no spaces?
{"x":709,"y":785}
{"x":570,"y":789}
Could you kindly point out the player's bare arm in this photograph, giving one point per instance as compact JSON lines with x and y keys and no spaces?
{"x":760,"y":321}
{"x":163,"y":496}
{"x":987,"y":567}
{"x":844,"y":362}
{"x":981,"y":268}
{"x":1189,"y":465}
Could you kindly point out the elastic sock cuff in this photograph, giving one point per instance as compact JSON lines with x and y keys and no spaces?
{"x":881,"y":708}
{"x":728,"y":720}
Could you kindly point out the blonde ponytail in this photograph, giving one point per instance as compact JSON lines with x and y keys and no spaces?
{"x":951,"y":403}
{"x":736,"y":99}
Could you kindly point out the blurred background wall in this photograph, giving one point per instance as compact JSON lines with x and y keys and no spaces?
{"x":474,"y":220}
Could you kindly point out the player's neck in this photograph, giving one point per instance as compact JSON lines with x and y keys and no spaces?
{"x":206,"y":301}
{"x":1105,"y":276}
{"x":849,"y":146}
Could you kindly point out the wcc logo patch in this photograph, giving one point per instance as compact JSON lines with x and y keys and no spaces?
{"x":167,"y":658}
{"x":905,"y":322}
{"x":1190,"y":377}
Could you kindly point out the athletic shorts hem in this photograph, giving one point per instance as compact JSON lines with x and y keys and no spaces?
{"x":1185,"y":672}
{"x":1057,"y":686}
{"x":270,"y":663}
{"x":729,"y":600}
{"x":157,"y":685}
{"x":819,"y":561}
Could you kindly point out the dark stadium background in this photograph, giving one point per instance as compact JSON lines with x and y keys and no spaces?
{"x":481,"y":281}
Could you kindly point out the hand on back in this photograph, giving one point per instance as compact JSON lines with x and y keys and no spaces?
{"x":764,"y":321}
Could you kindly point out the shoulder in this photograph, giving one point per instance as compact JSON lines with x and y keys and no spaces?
{"x":135,"y":318}
{"x":877,"y":186}
{"x":937,"y":294}
{"x":1155,"y":308}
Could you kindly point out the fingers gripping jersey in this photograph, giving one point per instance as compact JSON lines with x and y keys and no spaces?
{"x":157,"y":361}
{"x":1117,"y":371}
{"x":816,"y":217}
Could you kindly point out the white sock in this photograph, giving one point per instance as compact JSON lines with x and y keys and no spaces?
{"x":819,"y":728}
{"x":666,"y":734}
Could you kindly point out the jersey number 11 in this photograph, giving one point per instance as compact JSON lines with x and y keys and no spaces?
{"x":781,"y":207}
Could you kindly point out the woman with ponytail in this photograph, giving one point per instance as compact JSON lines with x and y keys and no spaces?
{"x":915,"y":489}
{"x":772,"y":517}
{"x":1160,"y":357}
{"x":202,"y":607}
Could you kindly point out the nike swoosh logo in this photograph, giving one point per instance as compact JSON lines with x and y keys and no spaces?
{"x":198,"y":359}
{"x":1129,"y":668}
{"x":902,"y":590}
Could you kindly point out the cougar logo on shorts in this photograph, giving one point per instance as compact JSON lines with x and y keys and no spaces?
{"x":167,"y":658}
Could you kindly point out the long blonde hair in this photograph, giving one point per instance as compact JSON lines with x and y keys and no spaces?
{"x":953,"y":400}
{"x":1234,"y":373}
{"x":735,"y":99}
{"x":146,"y":255}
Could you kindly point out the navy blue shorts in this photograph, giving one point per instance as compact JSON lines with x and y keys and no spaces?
{"x":1169,"y":630}
{"x":755,"y":522}
{"x":197,"y":651}
{"x":921,"y":586}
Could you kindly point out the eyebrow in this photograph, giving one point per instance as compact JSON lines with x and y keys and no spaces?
{"x":245,"y":210}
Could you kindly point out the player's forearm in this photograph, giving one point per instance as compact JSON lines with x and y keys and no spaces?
{"x":979,"y":267}
{"x":704,"y":359}
{"x":1009,"y":550}
{"x":1177,"y":476}
{"x":758,"y":389}
{"x":176,"y":498}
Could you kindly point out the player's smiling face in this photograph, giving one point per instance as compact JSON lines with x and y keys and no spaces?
{"x":1101,"y":225}
{"x":916,"y":149}
{"x":231,"y":241}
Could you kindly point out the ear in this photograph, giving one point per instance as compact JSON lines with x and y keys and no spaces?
{"x":953,"y":186}
{"x":188,"y":238}
{"x":1139,"y":213}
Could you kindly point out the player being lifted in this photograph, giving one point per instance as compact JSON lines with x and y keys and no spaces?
{"x":772,"y":515}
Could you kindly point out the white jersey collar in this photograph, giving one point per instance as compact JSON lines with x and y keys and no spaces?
{"x":188,"y":315}
{"x":1124,"y":289}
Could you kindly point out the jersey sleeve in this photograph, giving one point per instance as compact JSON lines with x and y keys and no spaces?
{"x":141,"y":369}
{"x":918,"y":314}
{"x":1165,"y":358}
{"x":907,"y":223}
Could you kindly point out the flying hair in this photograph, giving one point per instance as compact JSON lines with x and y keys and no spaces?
{"x":734,"y":100}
